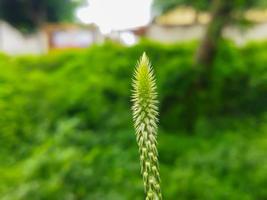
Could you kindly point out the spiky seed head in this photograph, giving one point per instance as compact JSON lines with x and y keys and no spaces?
{"x":145,"y":113}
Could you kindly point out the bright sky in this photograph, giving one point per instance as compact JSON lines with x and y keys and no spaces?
{"x":116,"y":14}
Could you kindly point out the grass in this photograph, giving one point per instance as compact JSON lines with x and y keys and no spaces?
{"x":225,"y":163}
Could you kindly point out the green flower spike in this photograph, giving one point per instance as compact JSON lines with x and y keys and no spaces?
{"x":145,"y":112}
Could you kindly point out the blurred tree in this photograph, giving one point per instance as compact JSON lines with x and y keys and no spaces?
{"x":223,"y":12}
{"x":30,"y":14}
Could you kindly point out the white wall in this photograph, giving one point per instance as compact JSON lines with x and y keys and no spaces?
{"x":175,"y":33}
{"x":14,"y":42}
{"x":241,"y":36}
{"x":184,"y":33}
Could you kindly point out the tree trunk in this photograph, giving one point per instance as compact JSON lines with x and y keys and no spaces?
{"x":220,"y":16}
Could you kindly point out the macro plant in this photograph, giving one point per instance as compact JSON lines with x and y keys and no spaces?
{"x":145,"y":113}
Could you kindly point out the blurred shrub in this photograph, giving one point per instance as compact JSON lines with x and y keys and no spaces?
{"x":94,"y":85}
{"x":80,"y":164}
{"x":61,"y":117}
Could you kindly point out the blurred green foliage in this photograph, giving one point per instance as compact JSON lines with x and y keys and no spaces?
{"x":28,"y":15}
{"x":66,"y":129}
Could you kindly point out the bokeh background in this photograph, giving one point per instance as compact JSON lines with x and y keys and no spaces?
{"x":66,"y":131}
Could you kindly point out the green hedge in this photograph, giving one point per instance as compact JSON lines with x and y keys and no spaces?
{"x":65,"y":120}
{"x":94,"y":85}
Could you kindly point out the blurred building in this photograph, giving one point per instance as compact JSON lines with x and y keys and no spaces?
{"x":183,"y":24}
{"x":178,"y":25}
{"x":50,"y":37}
{"x":62,"y":36}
